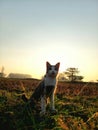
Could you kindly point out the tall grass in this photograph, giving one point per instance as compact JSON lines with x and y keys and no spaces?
{"x":74,"y":112}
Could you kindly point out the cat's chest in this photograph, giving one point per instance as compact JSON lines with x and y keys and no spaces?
{"x":50,"y":81}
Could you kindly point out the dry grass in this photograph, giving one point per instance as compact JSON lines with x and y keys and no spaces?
{"x":77,"y":107}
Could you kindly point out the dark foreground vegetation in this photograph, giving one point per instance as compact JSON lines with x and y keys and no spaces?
{"x":76,"y":110}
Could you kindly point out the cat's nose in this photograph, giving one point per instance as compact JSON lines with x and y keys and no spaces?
{"x":53,"y":72}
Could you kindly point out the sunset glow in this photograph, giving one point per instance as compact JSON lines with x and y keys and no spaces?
{"x":33,"y":32}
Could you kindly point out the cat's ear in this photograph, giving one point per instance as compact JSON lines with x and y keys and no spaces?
{"x":57,"y":65}
{"x":48,"y":64}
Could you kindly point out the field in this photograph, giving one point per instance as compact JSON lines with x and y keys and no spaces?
{"x":76,"y":104}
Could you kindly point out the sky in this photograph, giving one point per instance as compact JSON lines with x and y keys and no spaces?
{"x":35,"y":31}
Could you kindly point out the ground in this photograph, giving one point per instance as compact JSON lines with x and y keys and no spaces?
{"x":74,"y":112}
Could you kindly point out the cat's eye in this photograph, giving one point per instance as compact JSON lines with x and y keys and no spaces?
{"x":49,"y":68}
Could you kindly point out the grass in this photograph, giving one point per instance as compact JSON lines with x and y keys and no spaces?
{"x":74,"y":113}
{"x":77,"y":107}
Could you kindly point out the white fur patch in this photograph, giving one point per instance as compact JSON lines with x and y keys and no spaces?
{"x":50,"y":81}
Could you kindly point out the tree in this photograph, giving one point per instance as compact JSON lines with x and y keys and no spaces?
{"x":2,"y":72}
{"x":71,"y":74}
{"x":62,"y":77}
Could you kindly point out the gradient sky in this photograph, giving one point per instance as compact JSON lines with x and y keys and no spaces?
{"x":35,"y":31}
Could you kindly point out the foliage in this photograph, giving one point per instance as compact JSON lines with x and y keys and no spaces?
{"x":71,"y":74}
{"x":73,"y":113}
{"x":62,"y":77}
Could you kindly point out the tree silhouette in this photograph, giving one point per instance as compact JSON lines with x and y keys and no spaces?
{"x":71,"y":74}
{"x":2,"y":72}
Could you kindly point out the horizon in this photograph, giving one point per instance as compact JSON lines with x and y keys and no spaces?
{"x":29,"y":76}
